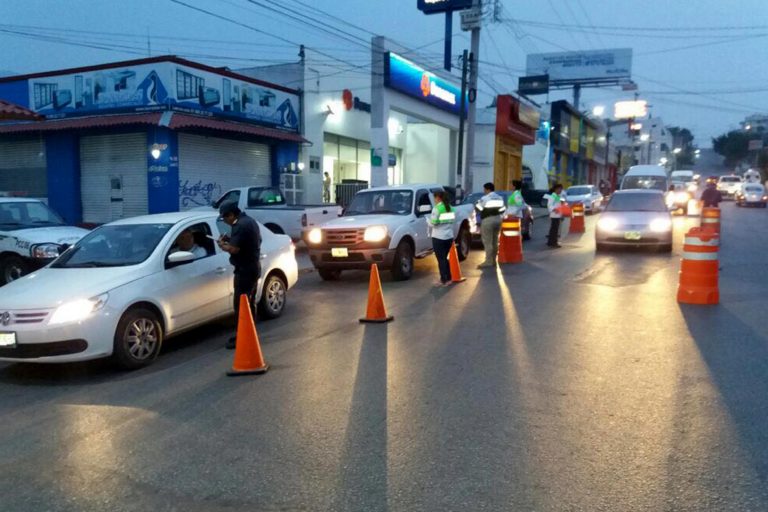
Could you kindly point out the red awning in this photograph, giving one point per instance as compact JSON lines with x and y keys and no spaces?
{"x":177,"y":122}
{"x":11,"y":111}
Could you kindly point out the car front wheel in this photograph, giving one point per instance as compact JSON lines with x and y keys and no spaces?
{"x":138,"y":339}
{"x":273,"y":297}
{"x":12,"y":267}
{"x":402,"y":267}
{"x":463,"y":242}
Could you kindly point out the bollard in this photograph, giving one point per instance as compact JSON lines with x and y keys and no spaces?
{"x":511,"y":240}
{"x":577,"y":219}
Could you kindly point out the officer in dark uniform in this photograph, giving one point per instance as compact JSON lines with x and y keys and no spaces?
{"x":244,"y":248}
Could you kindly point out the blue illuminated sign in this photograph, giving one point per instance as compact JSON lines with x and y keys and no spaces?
{"x":406,"y":77}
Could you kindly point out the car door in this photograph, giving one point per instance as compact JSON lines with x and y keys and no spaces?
{"x":420,"y":223}
{"x":197,"y":291}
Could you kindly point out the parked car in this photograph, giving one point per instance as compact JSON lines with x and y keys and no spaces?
{"x":31,"y":236}
{"x":126,"y":286}
{"x":268,"y":206}
{"x":729,"y":185}
{"x":387,"y":226}
{"x":526,"y":220}
{"x":635,"y":218}
{"x":752,"y":194}
{"x":535,"y":197}
{"x":588,"y":195}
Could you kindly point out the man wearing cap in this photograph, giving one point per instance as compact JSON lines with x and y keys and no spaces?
{"x":244,"y":247}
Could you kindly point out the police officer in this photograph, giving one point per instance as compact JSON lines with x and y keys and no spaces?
{"x":491,"y":208}
{"x":515,"y":202}
{"x":554,"y":202}
{"x":441,"y":222}
{"x":244,"y":248}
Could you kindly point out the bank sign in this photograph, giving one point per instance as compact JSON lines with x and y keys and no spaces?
{"x":408,"y":78}
{"x":163,"y":86}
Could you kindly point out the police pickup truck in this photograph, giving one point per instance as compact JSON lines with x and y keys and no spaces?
{"x":387,"y":226}
{"x":31,"y":236}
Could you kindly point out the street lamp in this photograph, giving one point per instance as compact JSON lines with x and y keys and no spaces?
{"x":748,"y":127}
{"x":663,"y":160}
{"x":645,"y":137}
{"x":676,"y":151}
{"x":598,"y":111}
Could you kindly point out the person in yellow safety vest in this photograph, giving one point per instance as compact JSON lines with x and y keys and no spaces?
{"x":554,"y":202}
{"x":491,"y":208}
{"x":515,"y":202}
{"x":441,"y":223}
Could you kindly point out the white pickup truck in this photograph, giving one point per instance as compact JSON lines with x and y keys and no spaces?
{"x":387,"y":226}
{"x":268,"y":206}
{"x":31,"y":236}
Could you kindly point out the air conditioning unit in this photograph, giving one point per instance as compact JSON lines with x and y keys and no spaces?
{"x":292,"y":187}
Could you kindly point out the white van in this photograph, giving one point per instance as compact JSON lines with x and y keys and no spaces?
{"x":645,"y":177}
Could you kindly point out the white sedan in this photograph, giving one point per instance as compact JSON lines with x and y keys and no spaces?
{"x":128,"y":285}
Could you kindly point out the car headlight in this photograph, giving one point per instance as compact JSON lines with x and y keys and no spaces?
{"x":375,"y":233}
{"x":607,"y":224}
{"x":46,"y":251}
{"x":692,"y":187}
{"x":660,"y":225}
{"x":682,"y":197}
{"x":77,"y":310}
{"x":315,"y":236}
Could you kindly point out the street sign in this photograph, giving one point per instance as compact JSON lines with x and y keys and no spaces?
{"x":532,"y":85}
{"x":471,"y":19}
{"x":437,"y":6}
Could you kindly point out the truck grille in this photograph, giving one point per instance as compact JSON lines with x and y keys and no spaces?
{"x":342,"y":237}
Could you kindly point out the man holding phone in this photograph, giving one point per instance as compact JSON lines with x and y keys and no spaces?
{"x":244,"y":248}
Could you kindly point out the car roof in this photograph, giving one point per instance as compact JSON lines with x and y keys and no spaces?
{"x":409,"y":186}
{"x":19,"y":200}
{"x":636,"y":191}
{"x":646,"y":170}
{"x":167,"y":218}
{"x":730,"y":176}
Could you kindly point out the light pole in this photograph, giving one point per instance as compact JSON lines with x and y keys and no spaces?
{"x":676,"y":152}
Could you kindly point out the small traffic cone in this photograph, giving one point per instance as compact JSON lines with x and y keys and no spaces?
{"x":453,"y":258}
{"x":376,"y":312}
{"x":248,"y":357}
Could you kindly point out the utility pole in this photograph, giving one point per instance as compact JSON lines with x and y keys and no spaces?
{"x":473,"y":70}
{"x":462,"y":117}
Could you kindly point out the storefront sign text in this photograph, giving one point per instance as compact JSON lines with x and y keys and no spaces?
{"x":408,"y":78}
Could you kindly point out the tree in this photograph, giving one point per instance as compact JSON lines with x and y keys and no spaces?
{"x":734,"y":146}
{"x":683,"y":139}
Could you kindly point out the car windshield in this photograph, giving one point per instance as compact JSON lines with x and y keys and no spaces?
{"x":27,"y":214}
{"x":578,"y":191}
{"x":754,"y":188}
{"x":730,"y":179}
{"x":644,"y":182}
{"x":637,"y":202}
{"x":114,"y":246}
{"x":396,"y":202}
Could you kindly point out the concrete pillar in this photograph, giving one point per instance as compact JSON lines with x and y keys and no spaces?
{"x":379,"y":115}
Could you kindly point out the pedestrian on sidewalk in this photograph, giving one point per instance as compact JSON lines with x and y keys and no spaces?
{"x":554,"y":202}
{"x":244,"y":248}
{"x":491,"y":208}
{"x":441,"y":230}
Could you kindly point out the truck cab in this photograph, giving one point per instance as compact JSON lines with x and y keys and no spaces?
{"x":388,"y":226}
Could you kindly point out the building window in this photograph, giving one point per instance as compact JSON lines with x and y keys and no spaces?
{"x":44,"y":94}
{"x":187,"y":85}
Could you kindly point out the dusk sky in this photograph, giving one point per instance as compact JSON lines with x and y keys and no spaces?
{"x":699,"y":64}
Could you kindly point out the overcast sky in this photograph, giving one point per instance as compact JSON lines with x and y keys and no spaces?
{"x":701,"y":64}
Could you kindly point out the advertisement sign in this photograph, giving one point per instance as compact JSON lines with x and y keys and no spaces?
{"x":408,"y":78}
{"x":163,"y":86}
{"x":582,"y":65}
{"x":436,"y":6}
{"x":533,"y":85}
{"x":630,"y":109}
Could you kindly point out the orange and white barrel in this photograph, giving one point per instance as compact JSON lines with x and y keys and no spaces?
{"x":511,"y":240}
{"x":710,"y":219}
{"x":577,"y":219}
{"x":699,"y":268}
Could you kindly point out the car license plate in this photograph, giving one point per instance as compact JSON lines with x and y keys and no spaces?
{"x":7,"y":339}
{"x":339,"y":252}
{"x":632,"y":235}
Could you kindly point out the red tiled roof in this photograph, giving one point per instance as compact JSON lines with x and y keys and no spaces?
{"x":177,"y":122}
{"x":15,"y":112}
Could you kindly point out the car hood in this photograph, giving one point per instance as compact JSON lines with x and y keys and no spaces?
{"x":51,"y":234}
{"x":583,"y":197}
{"x":635,"y":218}
{"x":364,"y":221}
{"x":50,"y":287}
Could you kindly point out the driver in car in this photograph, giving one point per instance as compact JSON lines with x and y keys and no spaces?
{"x":186,"y":242}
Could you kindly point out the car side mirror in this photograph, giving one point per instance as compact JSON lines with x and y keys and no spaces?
{"x":179,"y":258}
{"x":425,"y":208}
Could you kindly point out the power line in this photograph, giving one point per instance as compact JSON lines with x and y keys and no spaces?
{"x":562,"y":24}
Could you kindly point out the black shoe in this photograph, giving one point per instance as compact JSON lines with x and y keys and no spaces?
{"x":230,"y":344}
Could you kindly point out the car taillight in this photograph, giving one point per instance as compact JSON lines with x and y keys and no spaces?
{"x":303,"y":220}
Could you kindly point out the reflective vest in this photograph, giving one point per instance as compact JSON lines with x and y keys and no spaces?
{"x":443,"y":215}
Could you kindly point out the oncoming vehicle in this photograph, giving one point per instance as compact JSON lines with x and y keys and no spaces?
{"x":678,"y":197}
{"x":387,"y":226}
{"x":526,"y":220}
{"x":729,"y":185}
{"x":752,"y":194}
{"x":127,"y":286}
{"x":687,"y":178}
{"x":635,"y":218}
{"x":31,"y":236}
{"x":588,"y":195}
{"x":645,"y":177}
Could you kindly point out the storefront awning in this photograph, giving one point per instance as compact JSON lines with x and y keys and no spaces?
{"x":12,"y":112}
{"x":173,"y":120}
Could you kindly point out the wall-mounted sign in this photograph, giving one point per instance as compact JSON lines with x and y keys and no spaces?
{"x":630,"y":109}
{"x":516,"y":120}
{"x":533,"y":85}
{"x":408,"y":78}
{"x":163,"y":85}
{"x":582,"y":65}
{"x":436,"y":6}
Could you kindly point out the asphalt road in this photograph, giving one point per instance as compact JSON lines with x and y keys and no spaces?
{"x":568,"y":382}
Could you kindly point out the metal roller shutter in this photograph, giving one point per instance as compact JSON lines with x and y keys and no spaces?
{"x":113,"y":176}
{"x":209,"y":166}
{"x":23,"y":167}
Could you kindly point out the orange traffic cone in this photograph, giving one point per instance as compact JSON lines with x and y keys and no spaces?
{"x":376,"y":312}
{"x":453,"y":259}
{"x":248,"y":357}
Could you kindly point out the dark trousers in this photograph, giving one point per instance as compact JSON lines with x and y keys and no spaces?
{"x":245,"y":284}
{"x":442,"y":249}
{"x":554,"y":231}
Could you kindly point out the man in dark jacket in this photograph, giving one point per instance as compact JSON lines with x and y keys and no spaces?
{"x":711,"y":196}
{"x":244,"y":248}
